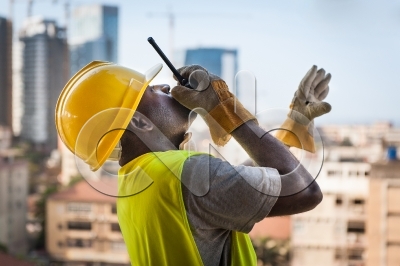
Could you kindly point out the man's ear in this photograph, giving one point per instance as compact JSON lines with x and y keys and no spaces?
{"x":140,"y":123}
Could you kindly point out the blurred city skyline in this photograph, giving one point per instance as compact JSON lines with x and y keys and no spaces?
{"x":277,"y":41}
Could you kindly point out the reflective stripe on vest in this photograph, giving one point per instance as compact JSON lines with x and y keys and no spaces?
{"x":153,"y":220}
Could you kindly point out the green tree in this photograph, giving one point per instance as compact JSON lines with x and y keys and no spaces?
{"x":40,"y":214}
{"x":74,"y":180}
{"x":272,"y":252}
{"x":346,"y":142}
{"x":3,"y":248}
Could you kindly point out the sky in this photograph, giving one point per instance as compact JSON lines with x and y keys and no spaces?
{"x":356,"y":41}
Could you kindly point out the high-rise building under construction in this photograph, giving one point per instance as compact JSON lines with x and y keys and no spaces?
{"x":44,"y":74}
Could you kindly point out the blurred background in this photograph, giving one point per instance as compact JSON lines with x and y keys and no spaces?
{"x":50,"y":216}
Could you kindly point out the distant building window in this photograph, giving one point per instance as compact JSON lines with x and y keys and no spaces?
{"x":334,"y":173}
{"x":339,"y":254}
{"x":298,"y":227}
{"x":355,"y":254}
{"x":79,"y":226}
{"x":339,"y":201}
{"x":358,"y":201}
{"x":353,"y":173}
{"x":79,"y":207}
{"x":356,"y":227}
{"x":115,"y":227}
{"x":118,"y":246}
{"x":79,"y":243}
{"x":114,"y":209}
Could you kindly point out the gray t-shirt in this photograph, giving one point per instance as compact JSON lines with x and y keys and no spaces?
{"x":220,"y":198}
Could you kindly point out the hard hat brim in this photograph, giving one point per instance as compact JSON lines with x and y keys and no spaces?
{"x":122,"y":114}
{"x":70,"y":131}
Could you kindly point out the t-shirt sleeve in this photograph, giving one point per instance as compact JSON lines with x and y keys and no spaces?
{"x":219,"y":195}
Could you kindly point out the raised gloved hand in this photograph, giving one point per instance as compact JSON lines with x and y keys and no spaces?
{"x":211,"y":98}
{"x":306,"y":105}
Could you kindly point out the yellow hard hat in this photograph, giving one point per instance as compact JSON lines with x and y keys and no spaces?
{"x":96,"y":105}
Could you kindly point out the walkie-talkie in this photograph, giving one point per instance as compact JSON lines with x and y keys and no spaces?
{"x":181,"y":79}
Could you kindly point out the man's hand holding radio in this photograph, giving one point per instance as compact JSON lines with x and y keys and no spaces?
{"x":210,"y":97}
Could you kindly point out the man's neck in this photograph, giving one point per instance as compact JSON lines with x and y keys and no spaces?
{"x":134,"y":146}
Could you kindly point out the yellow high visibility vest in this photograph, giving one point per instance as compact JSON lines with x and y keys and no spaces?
{"x":153,"y":219}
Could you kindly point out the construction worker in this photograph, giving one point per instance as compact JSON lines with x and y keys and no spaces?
{"x":179,"y":207}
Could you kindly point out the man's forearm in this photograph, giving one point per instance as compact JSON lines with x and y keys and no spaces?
{"x":299,"y":191}
{"x":263,"y":148}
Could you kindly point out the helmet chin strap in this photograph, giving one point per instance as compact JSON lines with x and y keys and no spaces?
{"x":116,"y":153}
{"x":186,"y":143}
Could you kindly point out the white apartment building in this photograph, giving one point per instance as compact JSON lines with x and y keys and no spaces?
{"x":44,"y":72}
{"x":334,"y":232}
{"x":82,"y":228}
{"x":13,"y":195}
{"x":358,"y":134}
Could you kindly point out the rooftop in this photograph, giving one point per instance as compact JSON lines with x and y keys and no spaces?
{"x":388,"y":169}
{"x":274,"y":227}
{"x":7,"y":260}
{"x":10,"y":162}
{"x":82,"y":192}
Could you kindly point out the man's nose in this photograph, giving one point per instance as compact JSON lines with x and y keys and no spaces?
{"x":165,"y":88}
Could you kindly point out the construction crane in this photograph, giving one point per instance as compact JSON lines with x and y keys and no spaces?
{"x":171,"y":17}
{"x":11,"y":9}
{"x":30,"y":8}
{"x":30,"y":13}
{"x":67,"y":4}
{"x":171,"y":25}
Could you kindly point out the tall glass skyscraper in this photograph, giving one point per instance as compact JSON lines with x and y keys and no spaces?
{"x":93,"y":35}
{"x":44,"y":71}
{"x":5,"y":73}
{"x":219,"y":61}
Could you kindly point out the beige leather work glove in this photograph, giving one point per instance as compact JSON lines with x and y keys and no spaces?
{"x":211,"y":99}
{"x":306,"y":105}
